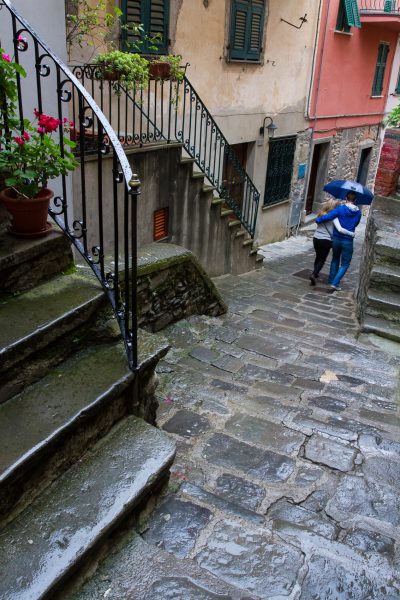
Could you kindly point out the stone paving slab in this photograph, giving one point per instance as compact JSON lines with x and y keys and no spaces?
{"x":286,"y":480}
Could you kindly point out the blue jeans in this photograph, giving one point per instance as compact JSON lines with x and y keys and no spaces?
{"x":342,"y":252}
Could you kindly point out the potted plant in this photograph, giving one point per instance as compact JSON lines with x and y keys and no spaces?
{"x":167,"y":67}
{"x":33,"y":158}
{"x":30,"y":156}
{"x":130,"y":69}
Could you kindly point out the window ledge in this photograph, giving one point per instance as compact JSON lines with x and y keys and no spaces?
{"x":342,"y":32}
{"x":241,"y":61}
{"x":381,"y":96}
{"x":280,"y":203}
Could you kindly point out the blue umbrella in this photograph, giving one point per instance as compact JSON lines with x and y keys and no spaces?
{"x":341,"y":187}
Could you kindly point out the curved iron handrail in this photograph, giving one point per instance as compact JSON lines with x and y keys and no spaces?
{"x":172,"y":111}
{"x":108,"y":242}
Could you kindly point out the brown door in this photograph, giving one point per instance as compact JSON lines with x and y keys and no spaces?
{"x":313,"y":178}
{"x":232,"y":177}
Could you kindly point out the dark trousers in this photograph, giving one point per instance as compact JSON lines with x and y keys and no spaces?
{"x":322,"y":248}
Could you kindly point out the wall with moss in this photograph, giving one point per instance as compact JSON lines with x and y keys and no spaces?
{"x":172,"y":285}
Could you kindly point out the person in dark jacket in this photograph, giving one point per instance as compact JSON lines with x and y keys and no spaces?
{"x":349,"y":216}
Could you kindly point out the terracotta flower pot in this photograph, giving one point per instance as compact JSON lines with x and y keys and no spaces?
{"x":161,"y":70}
{"x":29,"y":217}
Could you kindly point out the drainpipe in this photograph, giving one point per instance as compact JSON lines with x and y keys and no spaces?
{"x":307,"y":115}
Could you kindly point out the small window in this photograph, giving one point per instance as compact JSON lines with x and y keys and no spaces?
{"x":279,"y":170}
{"x":377,"y":86}
{"x":153,"y":15}
{"x":348,"y":15}
{"x":160,"y":220}
{"x":246,"y":29}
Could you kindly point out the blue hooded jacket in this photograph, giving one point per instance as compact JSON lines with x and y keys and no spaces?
{"x":349,"y":217}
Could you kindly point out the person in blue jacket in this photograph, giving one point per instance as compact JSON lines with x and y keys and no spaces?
{"x":349,"y":216}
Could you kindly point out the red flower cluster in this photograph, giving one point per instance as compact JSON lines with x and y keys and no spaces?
{"x":24,"y":138}
{"x":46,"y":124}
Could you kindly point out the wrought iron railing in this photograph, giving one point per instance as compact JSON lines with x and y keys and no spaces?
{"x":109,"y":247}
{"x":386,"y":7}
{"x":172,"y":111}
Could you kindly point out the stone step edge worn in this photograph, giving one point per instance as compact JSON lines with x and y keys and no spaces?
{"x":65,"y":323}
{"x":388,"y":300}
{"x":386,"y":329}
{"x":131,"y":433}
{"x":115,"y":390}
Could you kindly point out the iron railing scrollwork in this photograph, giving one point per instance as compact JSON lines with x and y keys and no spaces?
{"x":108,"y":241}
{"x":172,"y":111}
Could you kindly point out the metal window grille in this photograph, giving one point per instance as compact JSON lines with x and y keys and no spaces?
{"x":153,"y":15}
{"x":246,"y":31}
{"x":161,"y":218}
{"x":377,"y":86}
{"x":279,"y":170}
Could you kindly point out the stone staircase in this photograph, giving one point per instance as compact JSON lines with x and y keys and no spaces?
{"x":379,"y":294}
{"x":78,"y":451}
{"x":241,"y":255}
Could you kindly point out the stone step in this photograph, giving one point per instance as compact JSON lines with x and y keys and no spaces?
{"x":234,"y":223}
{"x":387,"y":276}
{"x":42,"y":430}
{"x":39,"y":317}
{"x":208,"y":188}
{"x":248,"y":242}
{"x":198,"y":175}
{"x":387,"y":249}
{"x":52,"y":537}
{"x":381,"y":327}
{"x":217,"y":201}
{"x":226,"y":212}
{"x":141,"y":571}
{"x":187,"y":160}
{"x":383,"y":304}
{"x":24,"y":263}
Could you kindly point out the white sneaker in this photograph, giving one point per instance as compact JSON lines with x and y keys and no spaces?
{"x":336,"y":287}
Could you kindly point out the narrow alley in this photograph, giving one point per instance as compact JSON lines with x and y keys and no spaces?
{"x":286,"y":480}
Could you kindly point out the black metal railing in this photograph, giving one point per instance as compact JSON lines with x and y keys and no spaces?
{"x":172,"y":111}
{"x":96,"y":206}
{"x":384,"y":7}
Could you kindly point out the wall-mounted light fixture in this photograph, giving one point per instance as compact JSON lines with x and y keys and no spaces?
{"x":271,"y":128}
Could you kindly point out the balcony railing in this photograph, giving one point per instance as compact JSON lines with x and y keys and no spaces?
{"x":172,"y":111}
{"x":384,"y":7}
{"x":111,"y":193}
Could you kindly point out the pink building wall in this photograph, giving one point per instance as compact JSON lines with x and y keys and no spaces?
{"x":344,"y":72}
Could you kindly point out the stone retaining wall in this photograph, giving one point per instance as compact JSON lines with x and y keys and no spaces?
{"x":172,"y":286}
{"x":389,"y":165}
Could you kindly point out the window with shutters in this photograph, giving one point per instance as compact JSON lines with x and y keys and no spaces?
{"x":153,"y":15}
{"x":160,"y":224}
{"x":279,"y":170}
{"x":246,"y":30}
{"x":348,"y":15}
{"x":377,"y":86}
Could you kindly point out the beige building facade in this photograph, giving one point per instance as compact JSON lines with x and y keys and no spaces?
{"x":241,"y":93}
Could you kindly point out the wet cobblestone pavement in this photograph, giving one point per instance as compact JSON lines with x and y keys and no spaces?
{"x":287,"y":476}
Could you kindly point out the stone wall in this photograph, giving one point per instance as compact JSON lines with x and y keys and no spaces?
{"x":345,"y":151}
{"x":297,"y":193}
{"x":172,"y":286}
{"x":389,"y":165}
{"x":378,"y":297}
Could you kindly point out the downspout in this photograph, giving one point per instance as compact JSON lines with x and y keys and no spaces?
{"x":307,"y":115}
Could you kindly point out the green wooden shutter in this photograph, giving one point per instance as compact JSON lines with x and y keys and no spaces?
{"x":380,"y":68}
{"x":247,"y":24}
{"x":352,"y":13}
{"x":154,"y":16}
{"x":390,"y":6}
